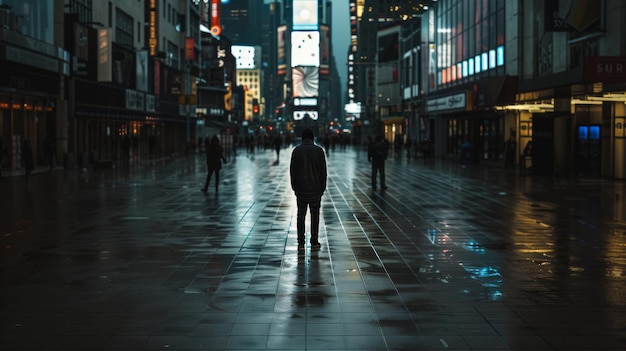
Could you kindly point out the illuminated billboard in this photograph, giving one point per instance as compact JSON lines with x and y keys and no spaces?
{"x":281,"y":54}
{"x":244,"y":56}
{"x":306,"y":81}
{"x":305,"y":14}
{"x":305,"y":49}
{"x":300,"y":115}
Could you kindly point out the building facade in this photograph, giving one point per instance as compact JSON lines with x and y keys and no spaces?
{"x":93,"y":82}
{"x":482,"y":80}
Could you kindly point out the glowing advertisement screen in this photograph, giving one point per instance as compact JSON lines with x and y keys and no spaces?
{"x":305,"y":14}
{"x":244,"y":55}
{"x":306,"y":81}
{"x":305,"y":49}
{"x":300,"y":115}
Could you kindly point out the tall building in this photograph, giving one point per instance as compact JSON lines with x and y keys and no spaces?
{"x":95,"y":82}
{"x":367,"y":18}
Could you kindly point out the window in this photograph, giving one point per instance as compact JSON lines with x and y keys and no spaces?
{"x":124,"y":28}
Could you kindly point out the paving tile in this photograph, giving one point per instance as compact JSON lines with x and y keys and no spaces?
{"x":138,"y":258}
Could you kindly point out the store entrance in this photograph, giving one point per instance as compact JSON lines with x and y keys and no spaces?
{"x":588,"y":150}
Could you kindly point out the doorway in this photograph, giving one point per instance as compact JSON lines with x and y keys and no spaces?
{"x":588,"y":150}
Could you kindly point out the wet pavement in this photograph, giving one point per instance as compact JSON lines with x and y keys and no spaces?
{"x":447,"y":258}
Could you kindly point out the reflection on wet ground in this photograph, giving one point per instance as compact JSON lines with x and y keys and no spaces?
{"x":471,"y":258}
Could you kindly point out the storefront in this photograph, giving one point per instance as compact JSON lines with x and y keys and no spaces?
{"x":129,"y":126}
{"x":458,"y":127}
{"x":33,"y":73}
{"x":577,"y":128}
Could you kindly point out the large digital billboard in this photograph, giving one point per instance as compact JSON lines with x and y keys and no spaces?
{"x":305,"y":48}
{"x":305,"y":14}
{"x":306,"y":81}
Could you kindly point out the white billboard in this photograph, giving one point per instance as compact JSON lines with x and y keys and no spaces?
{"x":305,"y":48}
{"x":245,"y":56}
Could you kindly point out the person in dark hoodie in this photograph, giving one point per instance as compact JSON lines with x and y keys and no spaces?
{"x":308,"y":181}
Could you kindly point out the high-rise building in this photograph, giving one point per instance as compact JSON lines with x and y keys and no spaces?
{"x":367,"y":18}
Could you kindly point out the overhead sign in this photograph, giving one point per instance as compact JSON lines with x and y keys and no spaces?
{"x":448,"y":103}
{"x":216,"y":27}
{"x":605,"y":69}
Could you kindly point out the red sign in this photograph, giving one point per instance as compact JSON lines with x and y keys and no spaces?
{"x":189,"y":48}
{"x":605,"y":69}
{"x":216,"y":27}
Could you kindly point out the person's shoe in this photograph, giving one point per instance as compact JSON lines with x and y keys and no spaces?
{"x":203,"y":189}
{"x":300,"y":247}
{"x":316,"y":246}
{"x":384,"y":187}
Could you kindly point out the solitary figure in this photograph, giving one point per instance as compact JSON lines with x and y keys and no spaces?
{"x":308,"y":181}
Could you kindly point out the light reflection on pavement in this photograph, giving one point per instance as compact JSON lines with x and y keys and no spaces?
{"x":446,"y":258}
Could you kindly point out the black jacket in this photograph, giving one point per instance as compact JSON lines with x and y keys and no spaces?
{"x":377,"y":151}
{"x":308,"y":171}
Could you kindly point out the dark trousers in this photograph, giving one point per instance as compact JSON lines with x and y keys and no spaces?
{"x":378,"y":167}
{"x":208,"y":178}
{"x":314,"y":207}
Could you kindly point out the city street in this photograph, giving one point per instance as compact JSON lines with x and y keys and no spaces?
{"x":447,"y":258}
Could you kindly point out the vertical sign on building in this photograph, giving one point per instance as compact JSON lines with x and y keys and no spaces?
{"x":216,"y":27}
{"x":189,"y":48}
{"x":153,"y":32}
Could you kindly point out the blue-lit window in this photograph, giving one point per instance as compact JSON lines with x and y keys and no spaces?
{"x":582,"y":132}
{"x":485,"y":59}
{"x":594,"y":132}
{"x":500,"y":55}
{"x":465,"y":72}
{"x":477,"y":62}
{"x":470,"y":66}
{"x":492,"y":59}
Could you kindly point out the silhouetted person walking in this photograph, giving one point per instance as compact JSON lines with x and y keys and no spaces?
{"x":278,"y":144}
{"x":509,"y":152}
{"x":377,"y":154}
{"x":308,"y":181}
{"x":214,"y":159}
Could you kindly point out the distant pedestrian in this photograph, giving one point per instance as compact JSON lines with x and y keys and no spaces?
{"x":397,"y":145}
{"x":509,"y":152}
{"x":27,"y":156}
{"x":308,"y":181}
{"x":278,"y":144}
{"x":4,"y":154}
{"x":466,"y":153}
{"x":214,"y":159}
{"x":326,"y":142}
{"x":409,"y":146}
{"x":376,"y":155}
{"x":250,"y":144}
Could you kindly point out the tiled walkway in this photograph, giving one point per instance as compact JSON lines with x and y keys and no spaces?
{"x":137,"y":258}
